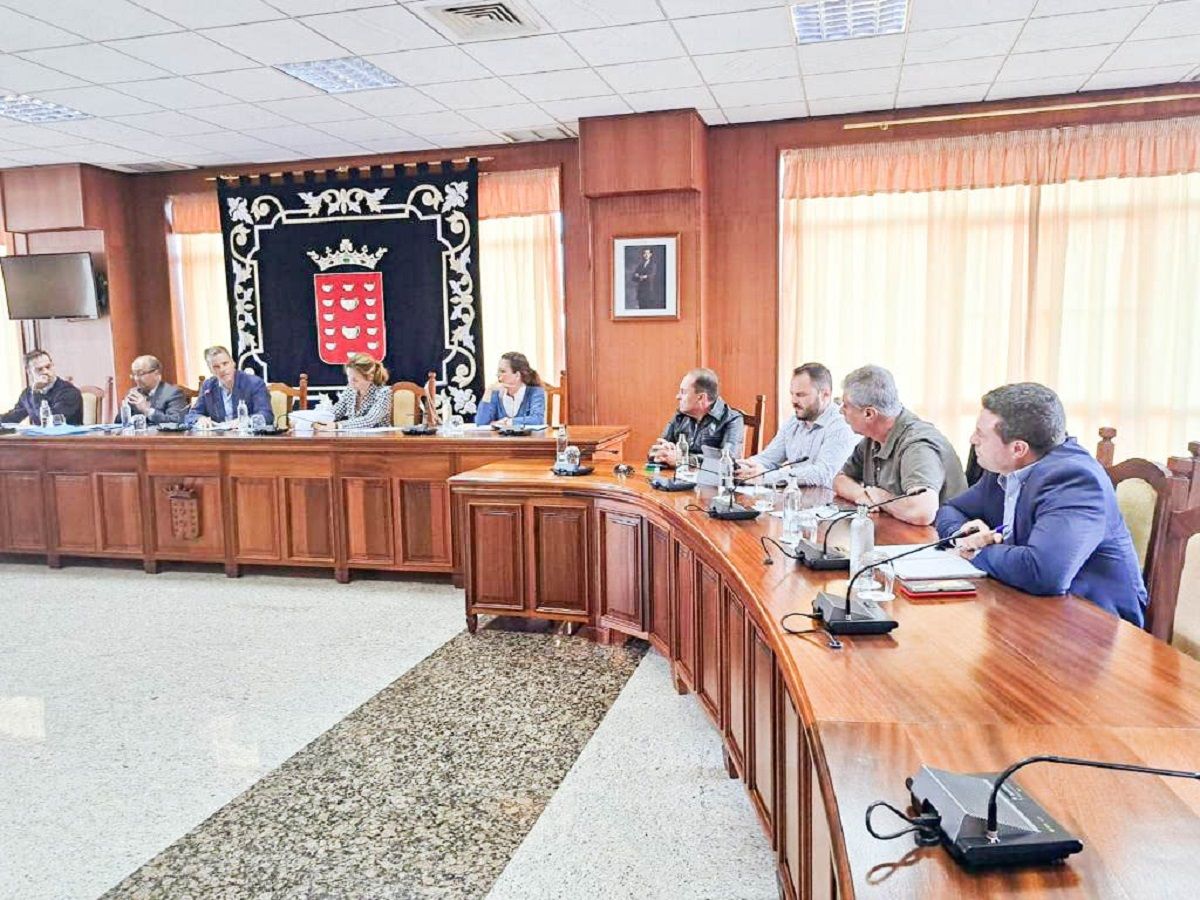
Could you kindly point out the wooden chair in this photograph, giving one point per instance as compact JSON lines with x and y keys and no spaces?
{"x":754,"y":425}
{"x":415,"y":404}
{"x":1178,"y":577}
{"x":556,"y":400}
{"x":285,"y":398}
{"x":97,"y":402}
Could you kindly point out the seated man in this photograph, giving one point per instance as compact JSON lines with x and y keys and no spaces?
{"x":703,"y":418}
{"x":817,"y":433}
{"x":64,"y":398}
{"x":899,"y":452}
{"x":220,"y":394}
{"x":150,"y":396}
{"x":1046,"y":510}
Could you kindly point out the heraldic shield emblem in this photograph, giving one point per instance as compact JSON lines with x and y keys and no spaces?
{"x":349,"y":302}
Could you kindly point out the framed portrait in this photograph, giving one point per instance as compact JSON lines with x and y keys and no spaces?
{"x":644,"y":278}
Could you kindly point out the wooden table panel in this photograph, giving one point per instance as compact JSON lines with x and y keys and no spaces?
{"x":369,"y":520}
{"x":559,"y":541}
{"x":23,"y":508}
{"x":256,"y":519}
{"x":74,"y":512}
{"x":119,"y":512}
{"x":308,"y":523}
{"x":208,"y":543}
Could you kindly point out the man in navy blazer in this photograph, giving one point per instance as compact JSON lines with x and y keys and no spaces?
{"x":1046,"y":510}
{"x":220,"y":394}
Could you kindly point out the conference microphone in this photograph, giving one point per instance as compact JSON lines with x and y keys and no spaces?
{"x":985,"y":819}
{"x":849,"y":616}
{"x":819,"y":558}
{"x":731,"y":513}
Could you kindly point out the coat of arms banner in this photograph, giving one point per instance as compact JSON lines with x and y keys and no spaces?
{"x":383,"y":262}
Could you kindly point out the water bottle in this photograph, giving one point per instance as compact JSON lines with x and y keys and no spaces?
{"x":862,"y":537}
{"x":243,"y":418}
{"x":726,"y":489}
{"x":682,"y":469}
{"x":44,"y":414}
{"x":560,"y":446}
{"x":126,"y":413}
{"x":792,"y":504}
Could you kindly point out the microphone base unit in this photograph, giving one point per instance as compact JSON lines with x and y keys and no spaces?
{"x":671,"y":484}
{"x":727,"y":512}
{"x":867,"y":616}
{"x":572,"y":472}
{"x":811,"y":556}
{"x":1027,"y":834}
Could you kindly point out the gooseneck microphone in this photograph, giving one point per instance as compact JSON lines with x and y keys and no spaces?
{"x":850,"y":512}
{"x":731,"y":513}
{"x":819,"y":558}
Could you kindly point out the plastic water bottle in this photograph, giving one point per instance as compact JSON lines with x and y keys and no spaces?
{"x":243,"y":418}
{"x":726,"y":489}
{"x":682,"y":468}
{"x":862,"y":537}
{"x":126,"y":413}
{"x":44,"y":414}
{"x":560,"y":445}
{"x":792,"y":504}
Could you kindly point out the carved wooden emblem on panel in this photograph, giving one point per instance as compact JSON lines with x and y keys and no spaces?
{"x":185,"y":512}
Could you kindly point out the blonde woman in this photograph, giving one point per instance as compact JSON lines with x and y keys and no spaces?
{"x":366,"y":401}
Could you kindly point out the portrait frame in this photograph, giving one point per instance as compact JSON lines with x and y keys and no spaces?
{"x":645,"y":278}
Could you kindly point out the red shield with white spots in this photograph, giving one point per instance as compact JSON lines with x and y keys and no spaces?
{"x":349,"y":315}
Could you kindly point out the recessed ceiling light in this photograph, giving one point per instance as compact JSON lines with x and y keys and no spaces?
{"x":839,"y":20}
{"x":36,"y":112}
{"x":340,"y":76}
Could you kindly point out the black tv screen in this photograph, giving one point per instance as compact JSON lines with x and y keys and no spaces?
{"x":50,"y":286}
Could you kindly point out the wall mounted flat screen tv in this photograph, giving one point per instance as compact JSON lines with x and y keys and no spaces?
{"x":50,"y":286}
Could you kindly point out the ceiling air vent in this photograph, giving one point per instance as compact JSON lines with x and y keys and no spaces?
{"x":145,"y":167}
{"x":482,"y":21}
{"x":549,"y":133}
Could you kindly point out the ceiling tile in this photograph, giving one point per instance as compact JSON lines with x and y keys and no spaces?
{"x":1170,"y":20}
{"x":276,"y":42}
{"x":842,"y":56}
{"x":95,"y":63}
{"x":749,"y":65}
{"x":170,"y":124}
{"x":851,"y":84}
{"x":939,"y":96}
{"x":682,"y":9}
{"x":391,"y":101}
{"x":737,"y":31}
{"x":432,"y":123}
{"x":239,"y":116}
{"x":98,"y":101}
{"x":19,"y":32}
{"x":38,"y":136}
{"x":517,"y":115}
{"x":102,"y":130}
{"x":1104,"y":81}
{"x":328,"y":148}
{"x":9,"y":145}
{"x":431,"y":66}
{"x":210,"y":13}
{"x":759,"y":93}
{"x":630,"y":43}
{"x":928,"y":14}
{"x":360,"y":130}
{"x":1051,"y":63}
{"x":1110,"y":26}
{"x":659,"y":74}
{"x":839,"y":106}
{"x":403,"y":143}
{"x":971,"y":42}
{"x":1143,"y":54}
{"x":288,"y":135}
{"x":379,"y":29}
{"x":97,"y":20}
{"x":560,"y":85}
{"x":232,"y":142}
{"x":475,"y":138}
{"x":544,"y":53}
{"x":183,"y":54}
{"x":23,"y":77}
{"x":929,"y":76}
{"x":1036,"y":87}
{"x":473,"y":94}
{"x":253,"y":85}
{"x":1061,"y":7}
{"x":174,"y":93}
{"x":40,"y":157}
{"x":767,"y":112}
{"x":570,"y":15}
{"x":680,"y":98}
{"x":313,"y":110}
{"x":582,"y":107}
{"x":713,"y":116}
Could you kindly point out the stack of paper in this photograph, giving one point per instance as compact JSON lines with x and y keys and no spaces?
{"x":931,"y":564}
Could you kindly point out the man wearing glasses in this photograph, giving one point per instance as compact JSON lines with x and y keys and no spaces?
{"x":152,"y":397}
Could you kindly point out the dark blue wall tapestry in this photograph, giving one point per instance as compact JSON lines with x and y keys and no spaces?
{"x":381,"y":262}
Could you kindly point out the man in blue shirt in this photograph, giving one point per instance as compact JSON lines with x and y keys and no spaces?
{"x":220,"y":394}
{"x":1045,"y":510}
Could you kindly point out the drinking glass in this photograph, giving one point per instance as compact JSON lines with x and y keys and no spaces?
{"x":58,"y":420}
{"x":572,"y":457}
{"x":764,"y":502}
{"x":808,"y":526}
{"x":138,"y":422}
{"x":455,"y":424}
{"x":878,"y":582}
{"x":258,"y":422}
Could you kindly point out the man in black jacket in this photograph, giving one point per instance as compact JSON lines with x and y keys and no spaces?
{"x":64,"y":398}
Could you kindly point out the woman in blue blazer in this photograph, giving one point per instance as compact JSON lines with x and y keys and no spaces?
{"x":517,"y":398}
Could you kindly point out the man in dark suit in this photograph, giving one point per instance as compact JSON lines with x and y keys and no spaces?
{"x":1046,"y":512}
{"x":645,"y":282}
{"x":64,"y":398}
{"x":221,"y":394}
{"x":150,"y":396}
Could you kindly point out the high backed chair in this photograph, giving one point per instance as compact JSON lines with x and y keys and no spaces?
{"x":556,"y":400}
{"x":96,"y":402}
{"x":415,"y":404}
{"x":754,"y":425}
{"x":285,"y":398}
{"x":1175,"y":599}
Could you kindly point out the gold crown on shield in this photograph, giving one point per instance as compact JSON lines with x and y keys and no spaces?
{"x":346,"y":255}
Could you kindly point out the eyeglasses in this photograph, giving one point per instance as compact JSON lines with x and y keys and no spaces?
{"x":135,"y":374}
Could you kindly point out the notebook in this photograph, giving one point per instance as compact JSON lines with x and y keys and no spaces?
{"x":930,"y":564}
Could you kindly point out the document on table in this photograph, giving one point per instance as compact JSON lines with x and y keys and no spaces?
{"x":930,"y":564}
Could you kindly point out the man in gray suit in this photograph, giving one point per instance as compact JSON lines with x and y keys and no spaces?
{"x":152,"y":397}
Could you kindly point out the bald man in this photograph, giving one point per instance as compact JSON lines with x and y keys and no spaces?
{"x":152,"y":397}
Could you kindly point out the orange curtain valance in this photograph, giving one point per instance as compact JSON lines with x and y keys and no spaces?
{"x":1044,"y":156}
{"x":194,"y":213}
{"x":528,"y":192}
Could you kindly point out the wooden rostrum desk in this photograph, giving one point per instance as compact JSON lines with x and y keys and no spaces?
{"x":346,"y":501}
{"x":817,"y":734}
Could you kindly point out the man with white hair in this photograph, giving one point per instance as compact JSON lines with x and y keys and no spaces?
{"x":899,"y":452}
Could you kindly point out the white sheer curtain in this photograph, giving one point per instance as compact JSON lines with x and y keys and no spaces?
{"x":201,"y":314}
{"x":12,"y":377}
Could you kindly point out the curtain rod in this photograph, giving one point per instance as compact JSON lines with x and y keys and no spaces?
{"x":340,"y":169}
{"x":885,"y":124}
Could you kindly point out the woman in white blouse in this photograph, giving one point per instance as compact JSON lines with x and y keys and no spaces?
{"x":366,"y":401}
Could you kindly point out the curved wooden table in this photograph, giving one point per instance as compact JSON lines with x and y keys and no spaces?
{"x":817,"y":734}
